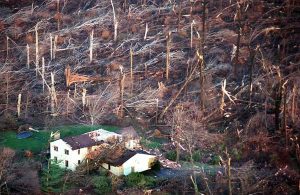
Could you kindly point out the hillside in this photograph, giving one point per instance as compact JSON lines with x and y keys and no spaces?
{"x":216,"y":77}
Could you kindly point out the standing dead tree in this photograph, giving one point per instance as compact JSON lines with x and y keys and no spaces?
{"x":98,"y":107}
{"x":188,"y":134}
{"x":115,"y":21}
{"x":238,"y":19}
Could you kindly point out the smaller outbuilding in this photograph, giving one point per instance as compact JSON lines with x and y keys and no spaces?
{"x":130,"y":161}
{"x":131,"y":138}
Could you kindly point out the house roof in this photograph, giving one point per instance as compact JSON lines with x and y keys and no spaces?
{"x":80,"y":141}
{"x":102,"y":134}
{"x":88,"y":139}
{"x":120,"y":160}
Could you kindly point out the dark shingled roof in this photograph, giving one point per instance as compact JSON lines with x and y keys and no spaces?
{"x":121,"y":159}
{"x":124,"y":157}
{"x":80,"y":141}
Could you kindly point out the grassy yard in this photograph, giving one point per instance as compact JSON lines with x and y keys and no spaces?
{"x":153,"y":143}
{"x":39,"y":140}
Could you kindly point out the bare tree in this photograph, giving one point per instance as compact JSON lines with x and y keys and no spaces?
{"x":99,"y":106}
{"x":189,"y":132}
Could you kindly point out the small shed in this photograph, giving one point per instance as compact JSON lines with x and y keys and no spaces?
{"x":131,"y":138}
{"x":129,"y":162}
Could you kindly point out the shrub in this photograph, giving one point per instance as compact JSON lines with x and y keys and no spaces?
{"x":171,"y":155}
{"x":150,"y":144}
{"x":215,"y":160}
{"x":102,"y":184}
{"x":236,"y":154}
{"x":52,"y":178}
{"x":139,"y":180}
{"x":197,"y":156}
{"x":103,"y":172}
{"x":156,"y":165}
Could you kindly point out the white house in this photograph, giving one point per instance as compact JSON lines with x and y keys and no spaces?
{"x":129,"y":162}
{"x":69,"y":152}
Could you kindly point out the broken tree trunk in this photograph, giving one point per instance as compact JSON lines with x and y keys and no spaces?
{"x":252,"y":56}
{"x":239,"y":31}
{"x":28,"y":59}
{"x":201,"y":79}
{"x":19,"y":105}
{"x":204,"y":4}
{"x":131,"y":70}
{"x":83,"y":97}
{"x":51,"y":46}
{"x":115,"y":22}
{"x":122,"y":79}
{"x":54,"y":46}
{"x":53,"y":95}
{"x":168,"y":56}
{"x":43,"y":73}
{"x":91,"y":45}
{"x":37,"y":57}
{"x":77,"y":78}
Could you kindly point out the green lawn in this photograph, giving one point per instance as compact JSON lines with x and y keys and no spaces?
{"x":39,"y":140}
{"x":153,"y":143}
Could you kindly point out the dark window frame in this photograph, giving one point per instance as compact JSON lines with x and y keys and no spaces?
{"x":67,"y":152}
{"x":66,"y":163}
{"x":55,"y":148}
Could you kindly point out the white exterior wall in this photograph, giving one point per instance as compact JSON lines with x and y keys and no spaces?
{"x":138,"y":163}
{"x":72,"y":158}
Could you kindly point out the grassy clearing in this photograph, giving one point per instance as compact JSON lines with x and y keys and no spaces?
{"x":153,"y":143}
{"x":39,"y":140}
{"x":206,"y":168}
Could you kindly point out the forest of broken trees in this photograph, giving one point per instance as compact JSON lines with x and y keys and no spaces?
{"x":216,"y":75}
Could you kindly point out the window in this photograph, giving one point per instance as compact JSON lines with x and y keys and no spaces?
{"x":55,"y":159}
{"x":66,"y":163}
{"x":79,"y":151}
{"x":55,"y":148}
{"x":66,"y":152}
{"x":79,"y":162}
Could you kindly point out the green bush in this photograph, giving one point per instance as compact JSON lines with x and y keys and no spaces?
{"x":236,"y":154}
{"x":171,"y":155}
{"x":52,"y":178}
{"x":150,"y":144}
{"x":215,"y":160}
{"x":102,"y":184}
{"x":103,"y":172}
{"x":139,"y":180}
{"x":156,"y":165}
{"x":197,"y":156}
